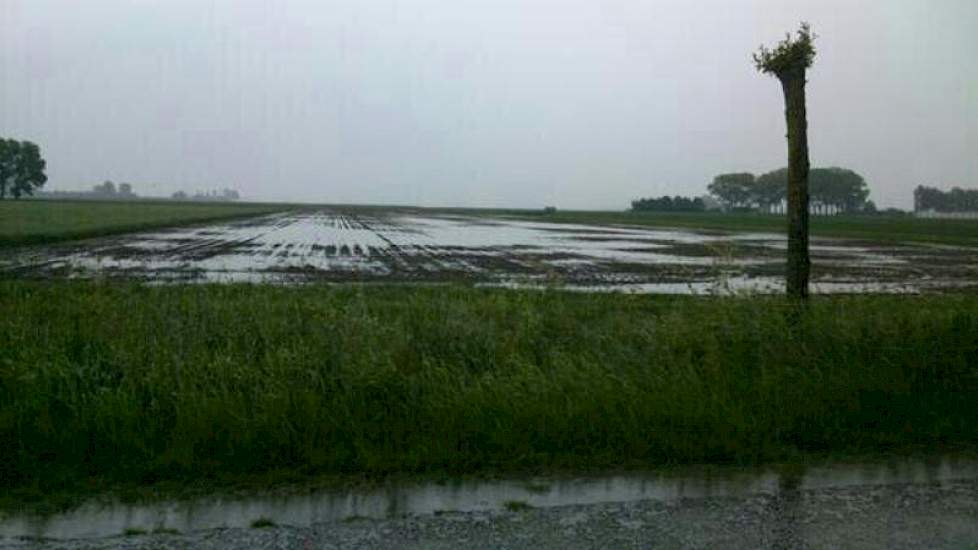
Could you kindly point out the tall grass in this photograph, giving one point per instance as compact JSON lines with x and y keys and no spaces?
{"x":136,"y":384}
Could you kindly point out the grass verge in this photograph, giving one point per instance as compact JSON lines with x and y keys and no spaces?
{"x":102,"y":385}
{"x":46,"y":221}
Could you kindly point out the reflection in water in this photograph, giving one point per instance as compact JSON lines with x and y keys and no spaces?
{"x":403,"y":246}
{"x":787,"y":510}
{"x":784,"y":484}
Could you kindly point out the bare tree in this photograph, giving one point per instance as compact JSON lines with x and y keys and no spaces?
{"x":789,"y":61}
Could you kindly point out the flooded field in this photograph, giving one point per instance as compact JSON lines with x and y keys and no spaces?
{"x":404,"y":246}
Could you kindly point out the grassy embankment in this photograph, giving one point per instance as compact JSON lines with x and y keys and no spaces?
{"x":46,"y":221}
{"x":108,"y":385}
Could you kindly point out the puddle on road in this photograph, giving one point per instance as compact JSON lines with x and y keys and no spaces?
{"x":396,"y":500}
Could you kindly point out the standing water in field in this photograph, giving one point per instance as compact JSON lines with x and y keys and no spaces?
{"x":393,"y":246}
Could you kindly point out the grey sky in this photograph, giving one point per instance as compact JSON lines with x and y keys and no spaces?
{"x":577,"y":103}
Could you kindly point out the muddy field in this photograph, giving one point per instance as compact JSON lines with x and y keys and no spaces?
{"x":403,"y":246}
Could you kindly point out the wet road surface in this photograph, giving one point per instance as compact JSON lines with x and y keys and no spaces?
{"x":897,"y":505}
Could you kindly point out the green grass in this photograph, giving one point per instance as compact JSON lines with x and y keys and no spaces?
{"x":871,"y":228}
{"x":114,"y":384}
{"x":46,"y":221}
{"x":516,"y":506}
{"x":262,"y":523}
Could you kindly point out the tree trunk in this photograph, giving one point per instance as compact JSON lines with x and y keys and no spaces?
{"x":799,"y":263}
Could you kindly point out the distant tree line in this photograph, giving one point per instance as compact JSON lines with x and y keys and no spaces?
{"x":666,"y":203}
{"x":21,"y":168}
{"x":106,"y":190}
{"x":22,"y":172}
{"x":831,"y":191}
{"x":217,"y":195}
{"x":955,"y":200}
{"x":110,"y":190}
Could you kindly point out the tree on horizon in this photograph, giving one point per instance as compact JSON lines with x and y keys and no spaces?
{"x":21,"y":168}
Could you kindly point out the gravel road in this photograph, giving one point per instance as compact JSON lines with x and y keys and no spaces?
{"x":911,"y":515}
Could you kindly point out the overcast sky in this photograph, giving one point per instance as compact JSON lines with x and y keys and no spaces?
{"x":523,"y":103}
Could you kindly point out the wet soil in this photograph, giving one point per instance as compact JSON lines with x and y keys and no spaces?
{"x":402,"y":246}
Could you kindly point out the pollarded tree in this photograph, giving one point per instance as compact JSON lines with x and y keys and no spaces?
{"x":789,"y":61}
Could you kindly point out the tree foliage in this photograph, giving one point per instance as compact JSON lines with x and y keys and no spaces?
{"x":8,"y":164}
{"x":215,"y":195}
{"x":21,"y":168}
{"x":106,"y":188}
{"x":955,"y":200}
{"x":771,"y":189}
{"x":790,"y":56}
{"x":838,"y":188}
{"x":831,"y":190}
{"x":666,"y":203}
{"x":734,"y":190}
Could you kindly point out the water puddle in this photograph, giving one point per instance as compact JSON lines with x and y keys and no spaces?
{"x":99,"y":520}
